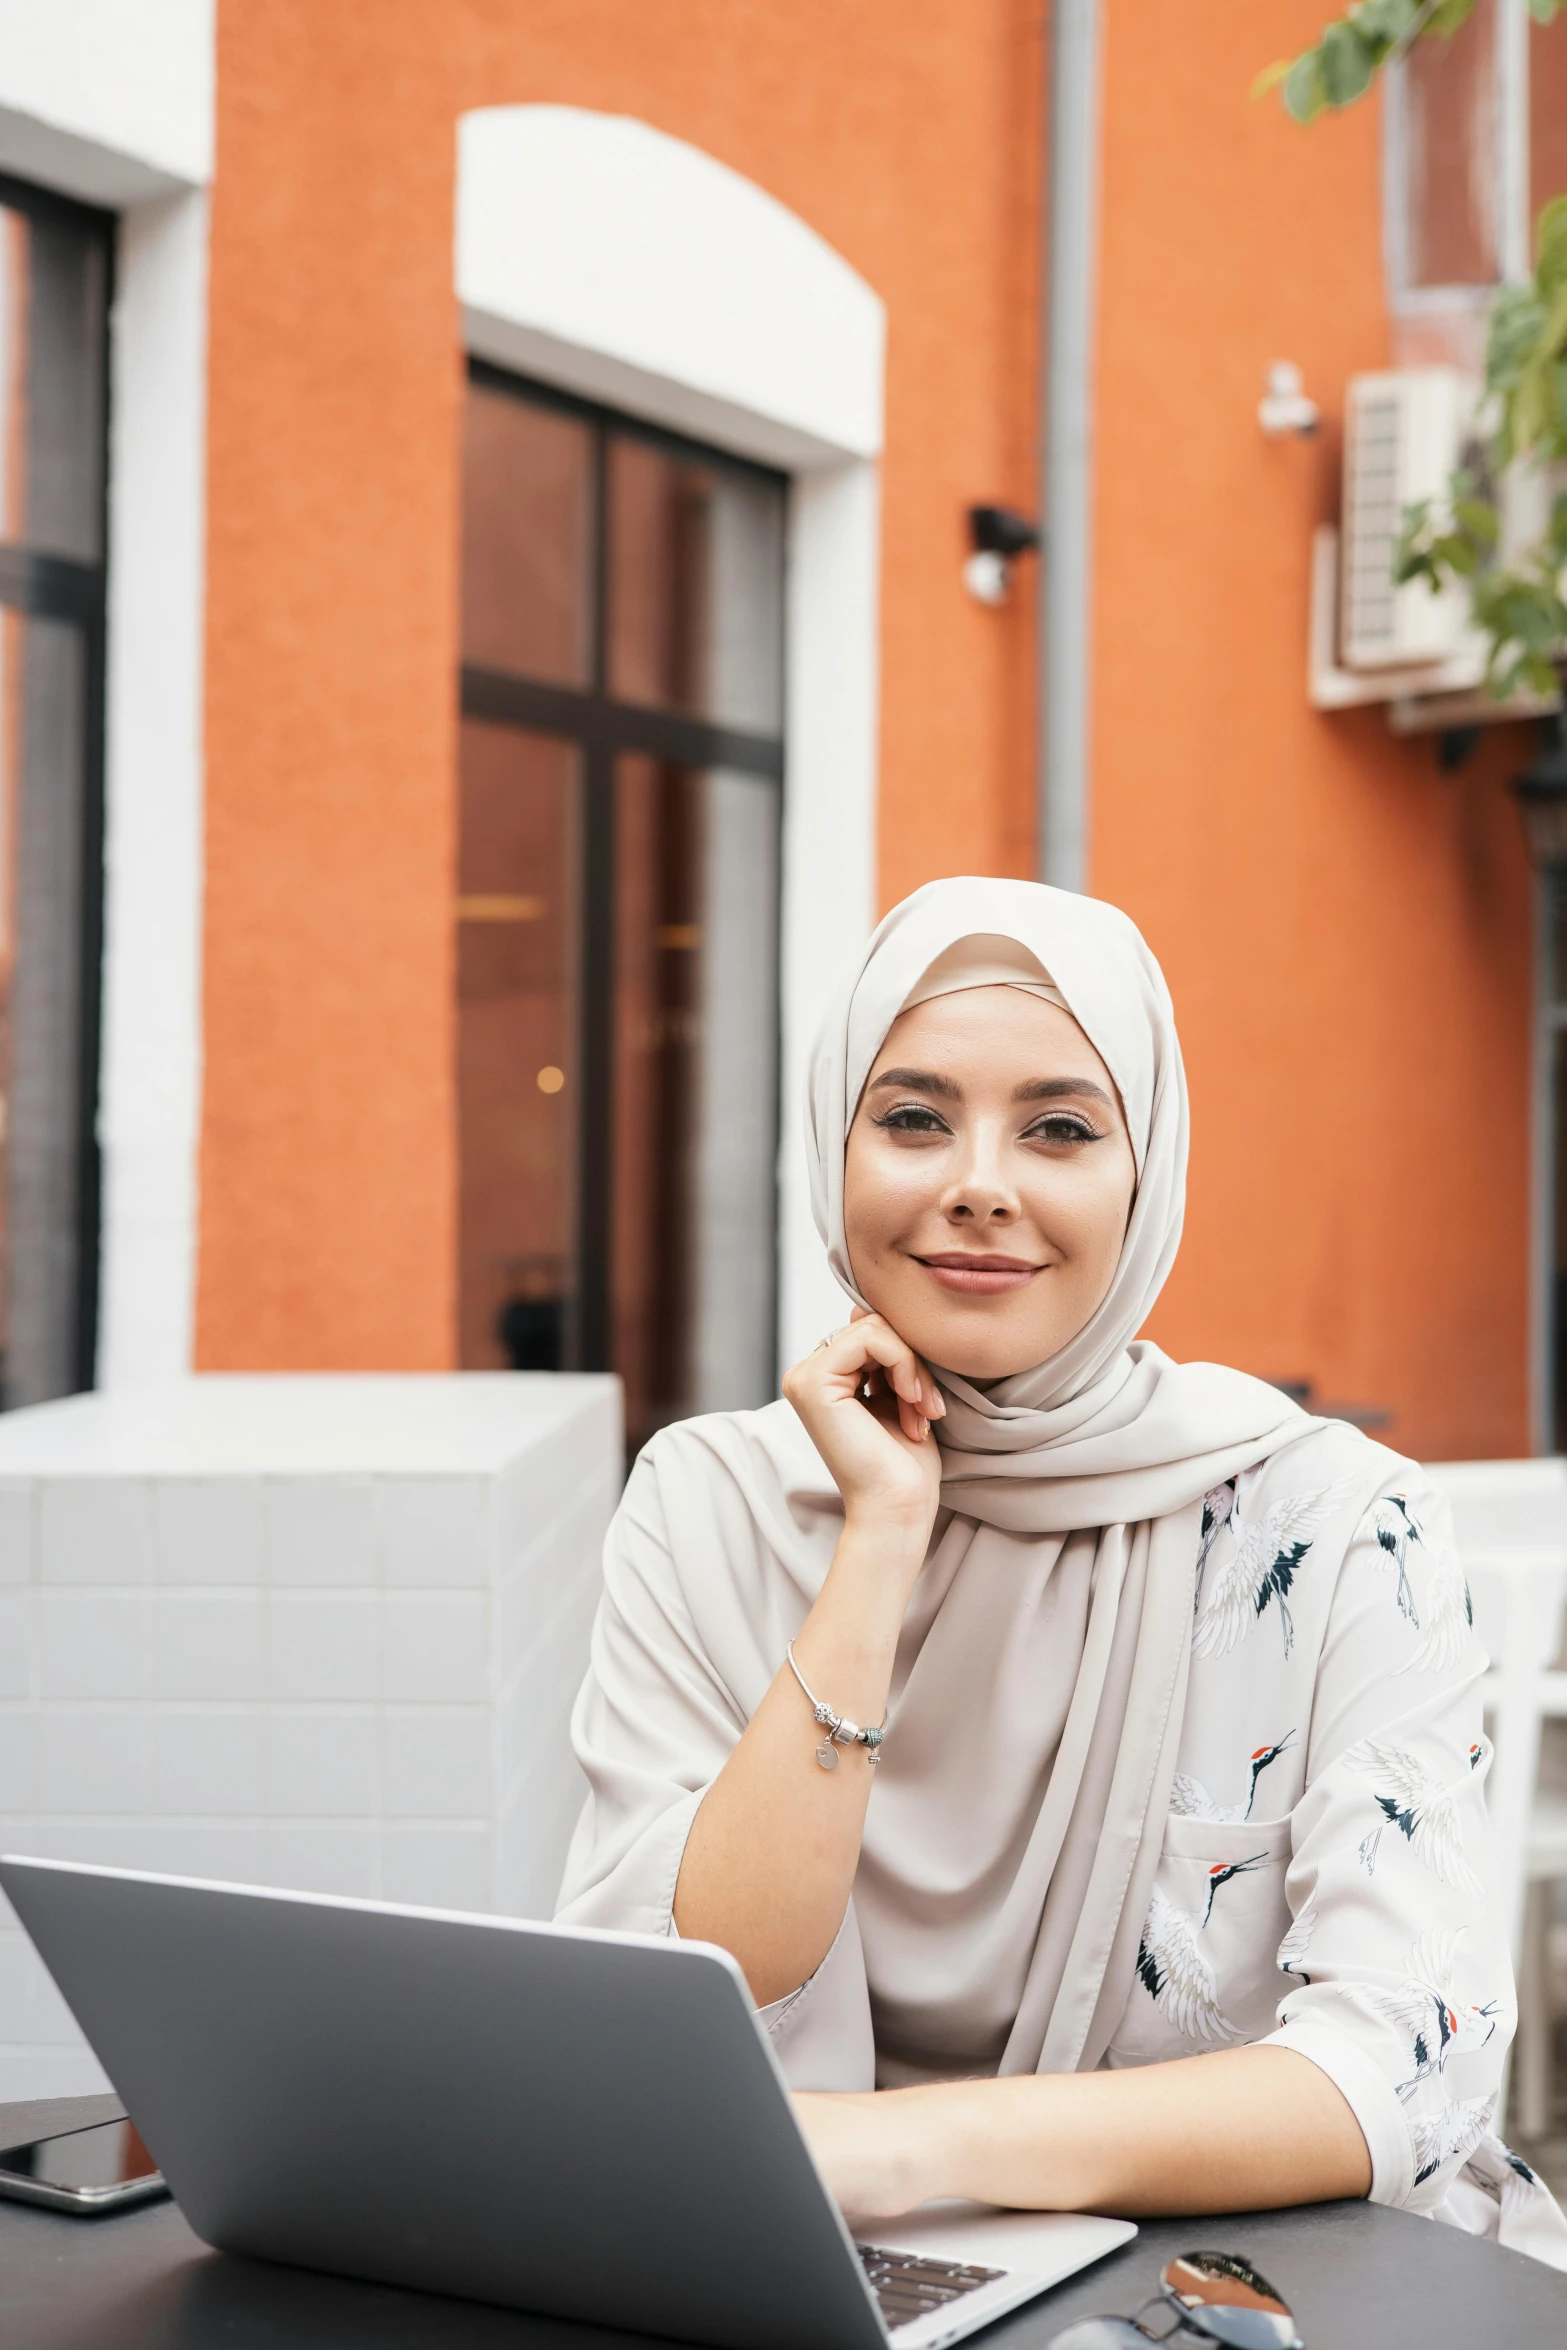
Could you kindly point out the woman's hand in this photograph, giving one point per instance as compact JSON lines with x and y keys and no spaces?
{"x":867,"y":1402}
{"x":873,"y":2149}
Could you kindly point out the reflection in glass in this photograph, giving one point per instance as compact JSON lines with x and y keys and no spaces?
{"x":617,"y":913}
{"x":695,"y":1091}
{"x":52,"y":292}
{"x":518,"y":957}
{"x":696,"y":588}
{"x":1453,"y":130}
{"x":1222,"y":2296}
{"x":527,"y":507}
{"x":42,"y":814}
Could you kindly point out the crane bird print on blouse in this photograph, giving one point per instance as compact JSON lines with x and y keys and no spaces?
{"x":1441,"y":1611}
{"x":1455,"y":2131}
{"x":1177,"y":1974}
{"x":1190,"y":1800}
{"x":1236,"y":1590}
{"x":1424,"y":1812}
{"x":1173,"y":1967}
{"x":1395,"y":1526}
{"x":1296,"y":1943}
{"x":1424,"y":2008}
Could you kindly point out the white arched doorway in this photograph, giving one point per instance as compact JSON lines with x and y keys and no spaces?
{"x":599,"y":255}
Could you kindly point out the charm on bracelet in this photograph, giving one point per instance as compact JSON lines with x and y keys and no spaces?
{"x":840,"y":1730}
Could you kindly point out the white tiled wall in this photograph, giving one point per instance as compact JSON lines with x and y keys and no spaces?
{"x":315,"y":1632}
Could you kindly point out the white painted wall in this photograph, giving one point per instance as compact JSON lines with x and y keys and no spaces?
{"x":599,"y":254}
{"x":596,"y":252}
{"x":109,"y":100}
{"x":829,"y":860}
{"x":149,"y":1108}
{"x":112,"y":101}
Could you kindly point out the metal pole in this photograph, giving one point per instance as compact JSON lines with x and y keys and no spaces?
{"x":1072,"y":182}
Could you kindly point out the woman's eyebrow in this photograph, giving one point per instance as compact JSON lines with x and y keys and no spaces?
{"x":917,"y":1081}
{"x":1050,"y":1089}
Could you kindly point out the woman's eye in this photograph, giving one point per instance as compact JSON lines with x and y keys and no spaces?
{"x":1062,"y":1126}
{"x":912,"y":1118}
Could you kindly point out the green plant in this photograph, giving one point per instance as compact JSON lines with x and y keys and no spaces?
{"x":1342,"y":65}
{"x":1518,"y":609}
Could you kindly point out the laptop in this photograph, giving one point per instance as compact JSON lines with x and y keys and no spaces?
{"x":585,"y":2124}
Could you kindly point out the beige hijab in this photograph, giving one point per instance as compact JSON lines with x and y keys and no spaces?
{"x":1040,"y":1677}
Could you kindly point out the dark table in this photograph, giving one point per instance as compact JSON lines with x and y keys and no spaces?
{"x":1358,"y":2278}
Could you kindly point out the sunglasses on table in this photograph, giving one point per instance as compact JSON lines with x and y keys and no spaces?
{"x":1214,"y":2296}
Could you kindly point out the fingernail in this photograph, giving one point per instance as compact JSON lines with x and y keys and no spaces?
{"x":924,"y":1430}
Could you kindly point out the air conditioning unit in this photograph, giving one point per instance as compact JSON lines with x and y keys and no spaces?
{"x":1406,"y":433}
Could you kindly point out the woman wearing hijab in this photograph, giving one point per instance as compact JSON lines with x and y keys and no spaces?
{"x":1031,"y":1715}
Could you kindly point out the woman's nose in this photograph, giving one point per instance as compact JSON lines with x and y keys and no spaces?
{"x":980,"y":1192}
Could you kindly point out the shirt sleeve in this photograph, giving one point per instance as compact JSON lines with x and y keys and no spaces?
{"x":1398,"y":1945}
{"x":652,"y":1728}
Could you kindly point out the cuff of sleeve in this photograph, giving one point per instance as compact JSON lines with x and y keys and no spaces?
{"x":636,"y":1895}
{"x":1368,"y":2093}
{"x":772,"y":2015}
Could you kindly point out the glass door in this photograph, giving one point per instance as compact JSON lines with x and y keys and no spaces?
{"x":617,"y":904}
{"x":54,"y":308}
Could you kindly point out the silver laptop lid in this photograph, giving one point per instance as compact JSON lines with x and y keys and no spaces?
{"x":586,"y":2124}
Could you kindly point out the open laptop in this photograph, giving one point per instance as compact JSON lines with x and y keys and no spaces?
{"x":584,"y":2124}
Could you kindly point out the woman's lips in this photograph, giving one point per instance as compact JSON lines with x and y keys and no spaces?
{"x":974,"y":1276}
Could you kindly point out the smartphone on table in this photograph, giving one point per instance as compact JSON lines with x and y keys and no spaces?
{"x":103,"y":2168}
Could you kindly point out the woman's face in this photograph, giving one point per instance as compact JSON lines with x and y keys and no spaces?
{"x":988,"y":1181}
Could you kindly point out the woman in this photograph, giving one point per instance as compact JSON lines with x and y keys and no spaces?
{"x":1080,"y":1752}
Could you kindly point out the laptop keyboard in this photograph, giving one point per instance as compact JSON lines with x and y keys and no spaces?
{"x":910,"y":2284}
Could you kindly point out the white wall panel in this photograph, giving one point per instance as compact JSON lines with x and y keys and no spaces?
{"x":317,"y":1632}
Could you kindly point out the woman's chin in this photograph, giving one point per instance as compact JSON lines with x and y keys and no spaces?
{"x":982,"y":1356}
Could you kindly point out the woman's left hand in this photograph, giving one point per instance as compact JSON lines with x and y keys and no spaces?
{"x":874,"y":2148}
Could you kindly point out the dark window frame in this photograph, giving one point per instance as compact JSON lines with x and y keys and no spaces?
{"x":601,"y":727}
{"x":57,"y":587}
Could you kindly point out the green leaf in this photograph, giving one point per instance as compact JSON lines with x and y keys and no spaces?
{"x":1348,"y":62}
{"x":1550,"y":244}
{"x":1516,"y":324}
{"x":1304,"y":97}
{"x":1478,"y":519}
{"x":1388,"y":21}
{"x":1448,"y":16}
{"x":1271,"y":76}
{"x":1543,"y":11}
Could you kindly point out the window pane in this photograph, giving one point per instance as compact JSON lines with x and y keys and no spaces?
{"x":1452,"y":124}
{"x":696,"y":588}
{"x":1547,"y":113}
{"x":1556,"y":939}
{"x":695,"y":1091}
{"x":42,"y":788}
{"x":527,"y":516}
{"x":52,"y":291}
{"x":518,"y":956}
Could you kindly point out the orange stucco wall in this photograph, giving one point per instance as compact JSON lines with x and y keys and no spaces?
{"x":907,"y":132}
{"x":1346,"y":933}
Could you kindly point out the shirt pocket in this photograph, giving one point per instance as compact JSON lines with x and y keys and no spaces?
{"x":1225,"y":1879}
{"x":1225,"y":1843}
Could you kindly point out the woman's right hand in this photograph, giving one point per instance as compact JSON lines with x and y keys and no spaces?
{"x":879,"y":1447}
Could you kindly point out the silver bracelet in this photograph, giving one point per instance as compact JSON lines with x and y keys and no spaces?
{"x":840,"y":1731}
